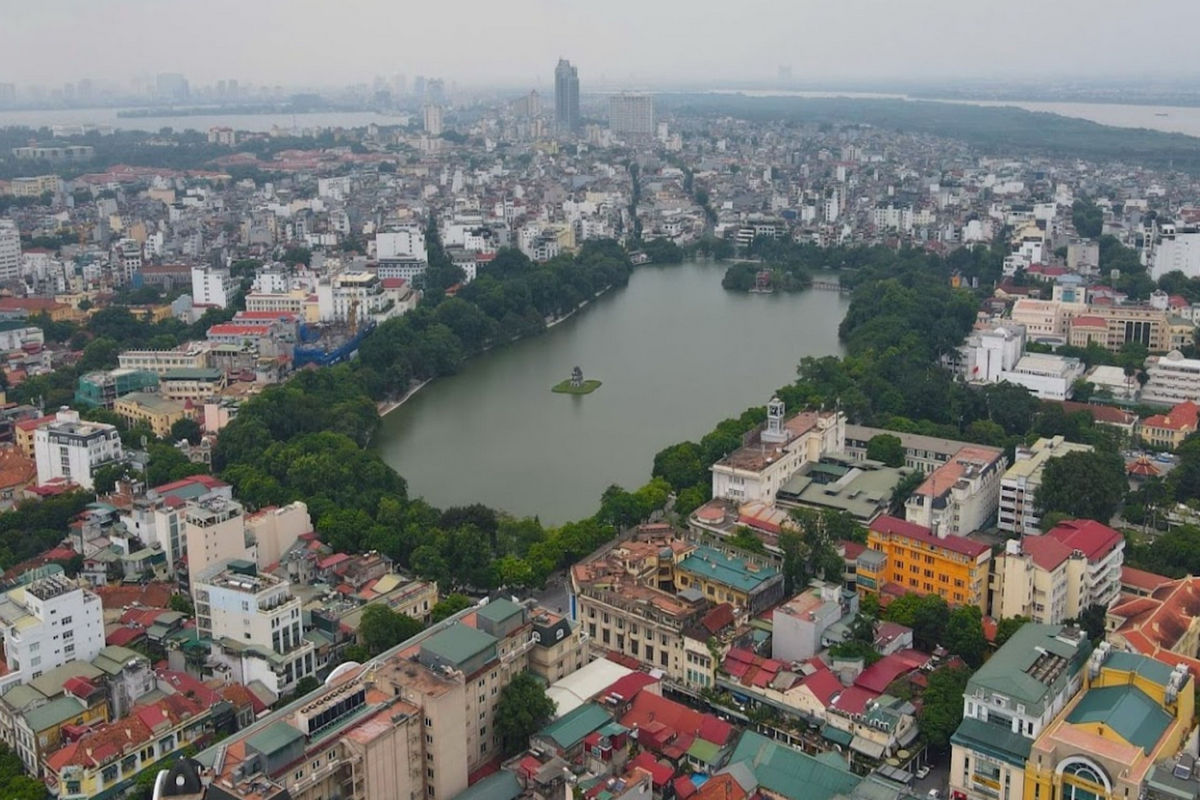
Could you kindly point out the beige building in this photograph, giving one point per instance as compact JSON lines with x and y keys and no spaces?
{"x":960,"y":496}
{"x":160,"y":362}
{"x":1018,"y":487}
{"x":155,"y":411}
{"x":191,"y":384}
{"x":215,"y":530}
{"x":412,"y":723}
{"x":291,"y":302}
{"x":1046,"y":319}
{"x":273,"y":530}
{"x":1056,"y":576}
{"x":1149,"y":326}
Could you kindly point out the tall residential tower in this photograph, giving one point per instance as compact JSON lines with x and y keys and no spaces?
{"x":566,"y":96}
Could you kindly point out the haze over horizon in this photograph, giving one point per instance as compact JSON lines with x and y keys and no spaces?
{"x":622,"y":42}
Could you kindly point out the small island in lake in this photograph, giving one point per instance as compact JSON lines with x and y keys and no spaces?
{"x":576,"y":384}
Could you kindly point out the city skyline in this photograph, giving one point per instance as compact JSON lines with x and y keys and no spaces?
{"x":615,"y":45}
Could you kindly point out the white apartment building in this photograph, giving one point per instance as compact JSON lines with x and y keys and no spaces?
{"x":72,"y":449}
{"x":1050,"y":377}
{"x":215,"y":532}
{"x":1056,"y":576}
{"x":407,"y":242}
{"x":10,"y":251}
{"x":1177,"y":251}
{"x":755,"y":471}
{"x":211,"y":287}
{"x":273,"y":279}
{"x":1173,"y":379}
{"x":631,"y":115}
{"x":360,"y":292}
{"x":47,"y":624}
{"x":126,"y":260}
{"x":255,"y":622}
{"x":1018,"y":487}
{"x":988,"y":353}
{"x":959,"y":497}
{"x":161,"y":362}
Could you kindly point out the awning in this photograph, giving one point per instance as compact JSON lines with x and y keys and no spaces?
{"x":837,"y":735}
{"x":866,"y":747}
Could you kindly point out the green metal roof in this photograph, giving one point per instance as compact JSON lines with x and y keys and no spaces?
{"x":728,"y":570}
{"x":501,"y":786}
{"x":837,"y":735}
{"x":1007,"y":672}
{"x":458,"y":644}
{"x":192,"y":374}
{"x":52,"y":681}
{"x":22,"y":695}
{"x":1128,"y":711}
{"x":499,"y":610}
{"x":704,"y":751}
{"x":112,"y":659}
{"x":1149,"y":668}
{"x":790,"y":773}
{"x":56,"y":712}
{"x":569,"y":730}
{"x":274,"y":738}
{"x":994,"y":740}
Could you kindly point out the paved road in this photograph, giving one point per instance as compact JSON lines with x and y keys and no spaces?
{"x":554,"y":596}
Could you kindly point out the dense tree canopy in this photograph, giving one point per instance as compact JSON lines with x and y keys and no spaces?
{"x":522,"y":710}
{"x":1082,"y":484}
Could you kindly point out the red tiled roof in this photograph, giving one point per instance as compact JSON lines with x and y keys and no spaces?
{"x":650,"y":710}
{"x":1182,"y":417}
{"x":854,"y":699}
{"x":893,"y":526}
{"x":717,"y":618}
{"x":1142,"y":579}
{"x":628,"y":687}
{"x":1094,"y":539}
{"x":823,"y":684}
{"x":660,"y":773}
{"x":1046,"y":551}
{"x":877,"y":677}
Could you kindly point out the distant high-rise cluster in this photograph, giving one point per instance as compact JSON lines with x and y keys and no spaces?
{"x":566,"y":96}
{"x":631,"y":115}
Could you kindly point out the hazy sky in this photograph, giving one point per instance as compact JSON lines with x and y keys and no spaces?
{"x":617,"y":42}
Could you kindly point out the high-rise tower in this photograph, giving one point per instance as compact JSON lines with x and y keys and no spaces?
{"x":566,"y":96}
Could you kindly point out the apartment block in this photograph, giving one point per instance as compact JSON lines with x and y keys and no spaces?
{"x":191,"y":384}
{"x":47,"y":624}
{"x":158,"y":516}
{"x":1009,"y":701}
{"x":71,"y":449}
{"x":1056,"y":576}
{"x":1018,"y":488}
{"x":414,"y":722}
{"x":1172,"y":379}
{"x":903,"y":557}
{"x":255,"y":624}
{"x":959,"y":497}
{"x":773,"y":453}
{"x":215,"y":533}
{"x":101,"y":389}
{"x":161,"y":361}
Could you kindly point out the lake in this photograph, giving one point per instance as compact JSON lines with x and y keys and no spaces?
{"x":676,"y":354}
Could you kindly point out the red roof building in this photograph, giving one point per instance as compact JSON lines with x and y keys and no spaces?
{"x":1164,"y":625}
{"x":1170,"y":429}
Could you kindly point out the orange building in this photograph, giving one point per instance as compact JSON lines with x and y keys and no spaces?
{"x":903,"y":557}
{"x":1170,"y":429}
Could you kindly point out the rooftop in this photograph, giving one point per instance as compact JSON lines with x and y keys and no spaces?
{"x":738,"y":573}
{"x":1127,"y":711}
{"x":1034,"y":663}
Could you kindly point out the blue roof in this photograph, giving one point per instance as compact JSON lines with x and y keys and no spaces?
{"x":728,"y":570}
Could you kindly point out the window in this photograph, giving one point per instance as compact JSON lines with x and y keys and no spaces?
{"x":428,"y":722}
{"x":65,"y":620}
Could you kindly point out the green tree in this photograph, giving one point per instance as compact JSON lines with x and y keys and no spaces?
{"x":450,"y":605}
{"x":181,"y":603}
{"x":186,"y":428}
{"x":522,"y":710}
{"x":942,"y":706}
{"x":887,"y":448}
{"x":927,"y":615}
{"x":14,"y":783}
{"x":1087,"y":218}
{"x":745,"y":539}
{"x":382,"y":628}
{"x":904,"y":489}
{"x":1087,"y":485}
{"x":964,"y":635}
{"x":1092,"y":620}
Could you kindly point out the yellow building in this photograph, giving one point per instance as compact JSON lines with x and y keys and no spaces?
{"x":1132,"y":712}
{"x":904,"y":557}
{"x":156,"y":411}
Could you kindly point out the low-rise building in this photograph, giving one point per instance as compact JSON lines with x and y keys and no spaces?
{"x":192,"y":384}
{"x":1132,"y":712}
{"x":1056,"y":576}
{"x":1171,"y":379}
{"x":903,"y":557}
{"x":101,"y":389}
{"x":798,"y":626}
{"x":772,"y":454}
{"x":1009,"y":701}
{"x":1018,"y":487}
{"x":1050,"y":377}
{"x":1164,"y":624}
{"x":162,"y":361}
{"x":155,"y":411}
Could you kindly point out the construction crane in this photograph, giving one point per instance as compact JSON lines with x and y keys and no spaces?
{"x":353,"y":320}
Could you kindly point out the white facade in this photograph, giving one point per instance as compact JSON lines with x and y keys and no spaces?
{"x":211,"y":287}
{"x":71,"y":449}
{"x":259,"y":612}
{"x":1181,"y":252}
{"x":631,"y":115}
{"x":358,"y":292}
{"x":1048,"y":376}
{"x":401,"y":243}
{"x":1173,"y":379}
{"x":164,"y":524}
{"x":215,"y":530}
{"x":47,"y":624}
{"x":127,"y":260}
{"x":10,"y":251}
{"x":1018,"y":487}
{"x":989,"y":353}
{"x":434,"y":117}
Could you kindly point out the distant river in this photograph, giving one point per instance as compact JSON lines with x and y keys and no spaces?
{"x":676,"y":354}
{"x":1172,"y":119}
